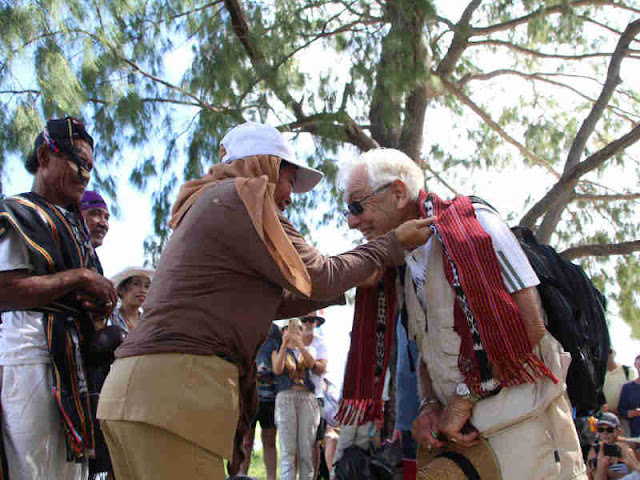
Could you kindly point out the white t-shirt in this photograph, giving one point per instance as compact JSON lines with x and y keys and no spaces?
{"x":516,"y":270}
{"x":318,"y":349}
{"x":22,"y":338}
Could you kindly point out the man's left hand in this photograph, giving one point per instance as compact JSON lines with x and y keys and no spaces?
{"x":454,"y":418}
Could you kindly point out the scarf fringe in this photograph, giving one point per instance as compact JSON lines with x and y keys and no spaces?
{"x":512,"y":373}
{"x":358,"y":412}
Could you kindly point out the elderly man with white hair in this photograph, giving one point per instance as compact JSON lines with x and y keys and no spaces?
{"x":488,"y":367}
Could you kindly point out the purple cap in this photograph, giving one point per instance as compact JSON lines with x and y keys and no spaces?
{"x":91,"y":199}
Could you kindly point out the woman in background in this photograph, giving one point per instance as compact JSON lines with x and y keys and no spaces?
{"x":297,"y":411}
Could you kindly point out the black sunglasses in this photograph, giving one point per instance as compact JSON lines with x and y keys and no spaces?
{"x":606,"y":429}
{"x":308,"y":320}
{"x":356,"y":208}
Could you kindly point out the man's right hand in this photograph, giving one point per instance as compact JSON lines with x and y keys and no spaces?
{"x":97,"y":293}
{"x":425,"y":428}
{"x":414,"y":233}
{"x":454,"y":420}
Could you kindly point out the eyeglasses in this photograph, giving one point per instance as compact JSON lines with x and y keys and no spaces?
{"x":605,"y":429}
{"x":308,"y":320}
{"x":356,"y":208}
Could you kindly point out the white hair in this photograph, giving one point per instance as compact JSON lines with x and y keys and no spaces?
{"x":384,"y":165}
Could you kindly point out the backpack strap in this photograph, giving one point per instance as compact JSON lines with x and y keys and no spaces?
{"x":482,"y":201}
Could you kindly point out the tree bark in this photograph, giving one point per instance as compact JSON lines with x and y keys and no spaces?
{"x":601,"y":250}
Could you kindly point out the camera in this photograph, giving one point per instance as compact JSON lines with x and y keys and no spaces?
{"x":612,"y":450}
{"x":294,"y":326}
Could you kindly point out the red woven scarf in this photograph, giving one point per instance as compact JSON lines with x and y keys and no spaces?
{"x":371,"y":339}
{"x":468,"y":250}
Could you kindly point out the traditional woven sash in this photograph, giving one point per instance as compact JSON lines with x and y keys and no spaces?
{"x":371,"y":339}
{"x":56,"y":244}
{"x":486,"y":317}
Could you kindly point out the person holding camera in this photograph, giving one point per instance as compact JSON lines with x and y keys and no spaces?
{"x":605,"y":456}
{"x":620,"y":453}
{"x":297,"y":411}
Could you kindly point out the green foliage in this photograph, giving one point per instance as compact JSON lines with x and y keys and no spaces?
{"x":57,"y":81}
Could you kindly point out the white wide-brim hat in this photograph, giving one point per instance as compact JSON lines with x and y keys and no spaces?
{"x":249,"y":139}
{"x":129,"y":272}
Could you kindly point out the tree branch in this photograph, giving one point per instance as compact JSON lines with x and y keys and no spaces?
{"x":258,"y":58}
{"x":602,"y":25}
{"x":536,"y":53}
{"x":612,"y":197}
{"x":345,"y":129}
{"x":351,"y":132}
{"x":568,"y":180}
{"x":543,"y":11}
{"x":552,"y":215}
{"x":20,"y":92}
{"x":613,"y":79}
{"x":497,"y":128}
{"x":446,"y":21}
{"x":597,"y":159}
{"x":196,"y":9}
{"x":318,"y":36}
{"x":541,"y":78}
{"x":154,"y":78}
{"x":132,"y":64}
{"x":423,"y":163}
{"x":601,"y":250}
{"x":460,"y":40}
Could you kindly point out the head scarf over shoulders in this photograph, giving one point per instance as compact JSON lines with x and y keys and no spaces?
{"x":256,"y":178}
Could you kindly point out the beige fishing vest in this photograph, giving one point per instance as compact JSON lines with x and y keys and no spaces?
{"x":529,"y":426}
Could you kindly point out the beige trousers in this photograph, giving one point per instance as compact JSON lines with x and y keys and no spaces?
{"x":169,"y":416}
{"x":140,"y":451}
{"x":544,"y":447}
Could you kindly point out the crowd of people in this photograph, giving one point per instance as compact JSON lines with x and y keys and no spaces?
{"x":165,"y":373}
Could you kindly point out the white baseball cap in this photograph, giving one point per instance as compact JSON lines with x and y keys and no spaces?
{"x":253,"y":138}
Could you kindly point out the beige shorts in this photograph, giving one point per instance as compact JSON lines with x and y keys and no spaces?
{"x":143,"y":452}
{"x":169,"y":413}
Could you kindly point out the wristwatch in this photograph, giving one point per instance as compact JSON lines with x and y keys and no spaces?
{"x":463,"y":391}
{"x":426,"y":402}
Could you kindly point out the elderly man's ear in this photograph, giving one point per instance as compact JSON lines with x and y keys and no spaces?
{"x":400,"y":194}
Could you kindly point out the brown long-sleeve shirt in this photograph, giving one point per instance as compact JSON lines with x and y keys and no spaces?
{"x":217,"y":289}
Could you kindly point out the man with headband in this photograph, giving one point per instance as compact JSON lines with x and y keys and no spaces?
{"x":183,"y":385}
{"x":49,"y":287}
{"x":96,"y":215}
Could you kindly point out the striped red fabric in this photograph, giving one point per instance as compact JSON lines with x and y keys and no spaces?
{"x":364,"y":379}
{"x":499,"y":323}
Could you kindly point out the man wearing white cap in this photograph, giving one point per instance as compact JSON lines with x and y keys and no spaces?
{"x":182,"y":391}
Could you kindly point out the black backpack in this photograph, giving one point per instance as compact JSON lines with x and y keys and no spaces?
{"x":575,"y":311}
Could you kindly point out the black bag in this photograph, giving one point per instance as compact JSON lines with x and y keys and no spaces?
{"x":575,"y":311}
{"x":355,"y":464}
{"x":385,"y":463}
